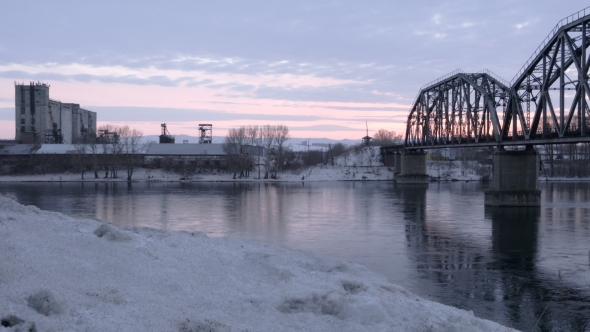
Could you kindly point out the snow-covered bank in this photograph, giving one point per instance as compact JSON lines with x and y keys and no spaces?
{"x":355,"y":165}
{"x":440,"y":171}
{"x":65,"y":274}
{"x":317,"y":173}
{"x":562,"y":179}
{"x":454,"y":170}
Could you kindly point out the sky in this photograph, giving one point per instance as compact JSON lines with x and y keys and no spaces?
{"x":323,"y":68}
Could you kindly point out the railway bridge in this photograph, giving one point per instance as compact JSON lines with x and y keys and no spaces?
{"x":545,"y":103}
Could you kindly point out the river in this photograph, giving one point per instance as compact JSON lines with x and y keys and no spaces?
{"x":521,"y":267}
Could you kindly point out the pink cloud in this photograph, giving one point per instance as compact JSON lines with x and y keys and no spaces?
{"x":93,"y":93}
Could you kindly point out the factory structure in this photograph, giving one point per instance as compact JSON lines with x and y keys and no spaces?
{"x":54,"y":136}
{"x":39,"y":119}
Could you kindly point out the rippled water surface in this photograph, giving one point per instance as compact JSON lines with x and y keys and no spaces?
{"x":522,"y":267}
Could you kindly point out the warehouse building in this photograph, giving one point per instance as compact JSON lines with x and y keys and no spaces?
{"x":39,"y":119}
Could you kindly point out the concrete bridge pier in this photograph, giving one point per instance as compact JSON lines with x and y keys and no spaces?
{"x":397,"y":163}
{"x":514,"y":178}
{"x":388,"y":158}
{"x":412,"y":167}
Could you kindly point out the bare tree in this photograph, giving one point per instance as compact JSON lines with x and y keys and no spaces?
{"x":268,"y":136}
{"x":254,"y":138}
{"x":93,"y":147}
{"x":252,"y":135}
{"x":385,"y":137}
{"x":550,"y":156}
{"x":109,"y":143}
{"x":233,"y":147}
{"x":281,"y":136}
{"x":238,"y":144}
{"x":186,"y":169}
{"x":116,"y":148}
{"x":338,"y":149}
{"x":131,"y":148}
{"x":81,"y":156}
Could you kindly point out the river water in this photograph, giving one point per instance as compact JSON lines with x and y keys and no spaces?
{"x":521,"y":267}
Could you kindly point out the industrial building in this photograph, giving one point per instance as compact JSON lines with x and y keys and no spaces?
{"x":39,"y":119}
{"x":47,"y":158}
{"x":206,"y":155}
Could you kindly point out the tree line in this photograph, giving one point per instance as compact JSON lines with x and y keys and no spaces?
{"x":116,"y":147}
{"x":384,"y":137}
{"x":565,"y":160}
{"x":247,"y":146}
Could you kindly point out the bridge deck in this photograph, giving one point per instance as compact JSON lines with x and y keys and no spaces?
{"x":518,"y":142}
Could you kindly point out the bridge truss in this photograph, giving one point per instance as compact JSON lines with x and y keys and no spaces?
{"x":460,"y":108}
{"x":546,"y":102}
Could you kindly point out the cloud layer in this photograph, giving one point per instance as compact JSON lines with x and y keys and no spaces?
{"x":306,"y":64}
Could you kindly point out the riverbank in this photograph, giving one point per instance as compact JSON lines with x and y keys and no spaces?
{"x":352,"y":169}
{"x":455,"y":172}
{"x":319,"y":173}
{"x":61,"y":273}
{"x":356,"y":165}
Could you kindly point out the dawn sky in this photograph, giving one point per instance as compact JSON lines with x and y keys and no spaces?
{"x":322,"y":68}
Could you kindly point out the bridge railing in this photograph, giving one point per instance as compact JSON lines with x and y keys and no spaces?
{"x":440,"y":79}
{"x":496,"y":77}
{"x":564,"y":21}
{"x":453,"y":73}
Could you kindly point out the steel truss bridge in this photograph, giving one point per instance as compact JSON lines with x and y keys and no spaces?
{"x":547,"y":101}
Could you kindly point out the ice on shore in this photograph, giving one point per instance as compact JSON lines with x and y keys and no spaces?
{"x":64,"y":274}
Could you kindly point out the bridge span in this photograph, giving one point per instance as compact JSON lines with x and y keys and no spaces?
{"x":547,"y":102}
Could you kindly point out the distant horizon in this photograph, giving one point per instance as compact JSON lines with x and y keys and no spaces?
{"x":7,"y":127}
{"x":219,"y":139}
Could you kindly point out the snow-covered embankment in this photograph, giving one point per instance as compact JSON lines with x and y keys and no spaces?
{"x":65,"y":274}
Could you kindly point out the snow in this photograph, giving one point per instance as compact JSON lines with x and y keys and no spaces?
{"x":357,"y":166}
{"x":316,"y":173}
{"x":361,"y":164}
{"x":454,"y":170}
{"x":66,"y":274}
{"x":562,"y":179}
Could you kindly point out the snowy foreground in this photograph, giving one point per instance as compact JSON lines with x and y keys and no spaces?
{"x":65,"y":274}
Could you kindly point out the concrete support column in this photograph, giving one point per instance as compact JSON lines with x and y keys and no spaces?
{"x":514,"y":179}
{"x":388,"y":159}
{"x":413,"y":167}
{"x":397,"y":163}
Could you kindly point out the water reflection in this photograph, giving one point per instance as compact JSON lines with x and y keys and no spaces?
{"x":514,"y":248}
{"x":531,"y":294}
{"x":499,"y":276}
{"x":413,"y":198}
